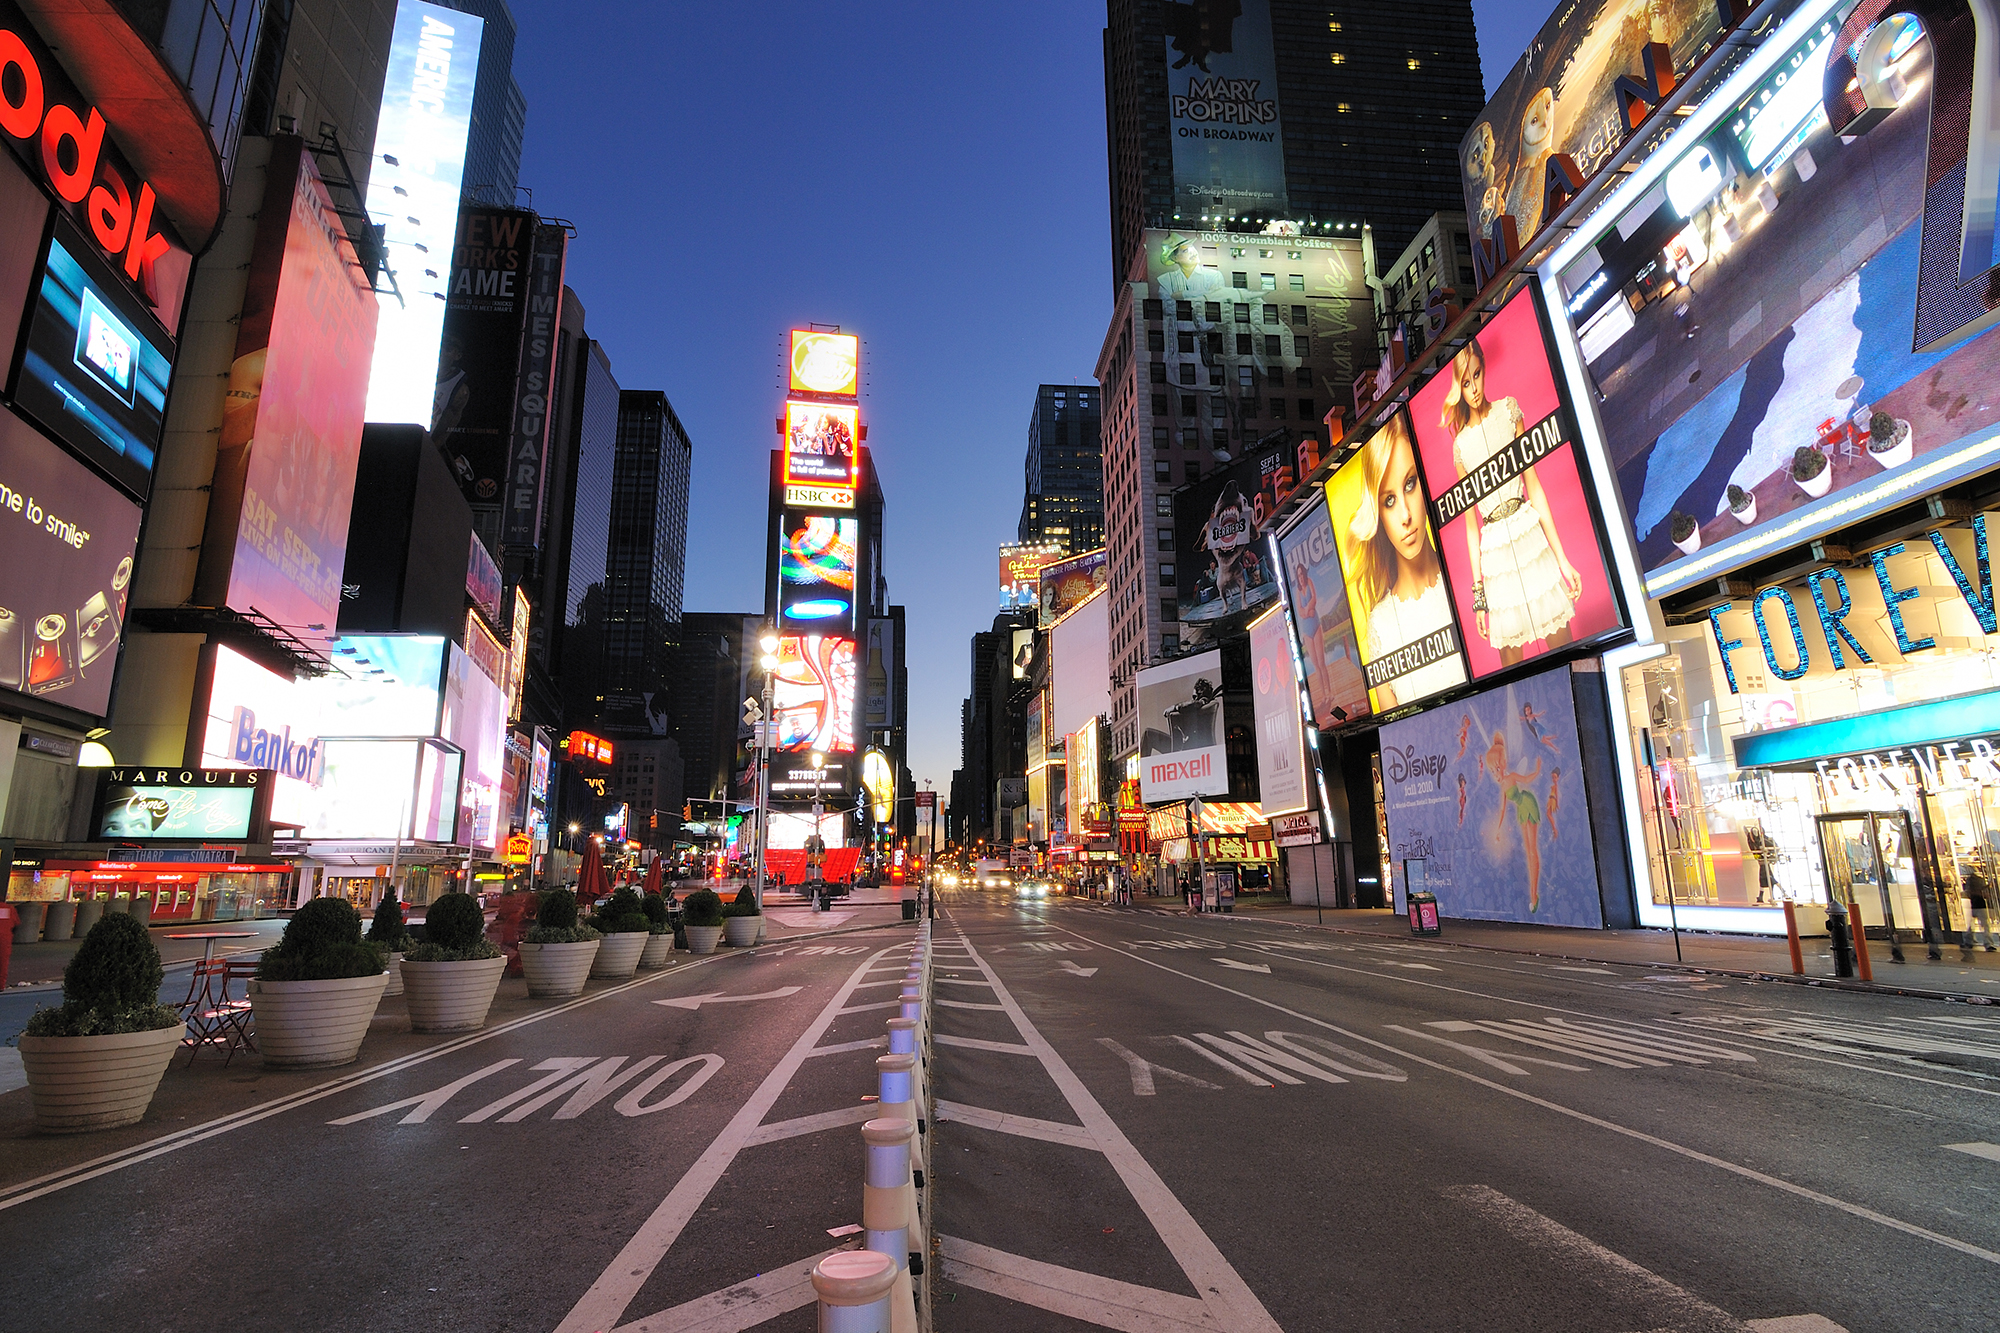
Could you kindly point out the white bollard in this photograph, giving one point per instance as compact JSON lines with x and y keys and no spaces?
{"x":885,"y":1210}
{"x":896,"y":1096}
{"x":853,"y":1289}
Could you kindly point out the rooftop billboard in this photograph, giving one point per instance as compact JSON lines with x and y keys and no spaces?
{"x":1222,"y":110}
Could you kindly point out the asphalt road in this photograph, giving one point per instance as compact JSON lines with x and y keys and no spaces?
{"x":530,"y":1176}
{"x":1155,"y":1122}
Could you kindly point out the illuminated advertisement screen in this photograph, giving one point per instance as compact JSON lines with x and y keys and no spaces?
{"x":96,"y":365}
{"x":1274,"y":698}
{"x":825,"y":363}
{"x":140,"y":805}
{"x":1395,"y":578}
{"x":474,"y":718}
{"x":1788,"y":104}
{"x":481,"y":342}
{"x":1310,"y":559}
{"x":1498,"y":447}
{"x":1221,"y":73}
{"x":820,"y":445}
{"x":66,"y":545}
{"x":285,"y":462}
{"x":1219,"y":526}
{"x":813,"y":693}
{"x":1181,"y":741}
{"x":538,"y":773}
{"x":413,"y":189}
{"x":816,"y":571}
{"x":1020,"y":574}
{"x":1068,"y":584}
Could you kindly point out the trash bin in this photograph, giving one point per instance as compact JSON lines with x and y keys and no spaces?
{"x":27,"y":922}
{"x":7,"y":919}
{"x":1424,"y":913}
{"x":909,"y":909}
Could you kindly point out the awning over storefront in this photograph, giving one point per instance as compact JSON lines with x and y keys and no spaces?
{"x":1238,"y":818}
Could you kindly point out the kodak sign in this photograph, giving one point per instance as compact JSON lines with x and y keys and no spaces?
{"x":62,"y":139}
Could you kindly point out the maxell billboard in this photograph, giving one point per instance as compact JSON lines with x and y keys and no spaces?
{"x":521,"y":520}
{"x":1181,"y":730}
{"x":1222,"y":85}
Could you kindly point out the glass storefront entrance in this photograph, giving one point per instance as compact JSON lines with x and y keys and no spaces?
{"x":1876,"y":865}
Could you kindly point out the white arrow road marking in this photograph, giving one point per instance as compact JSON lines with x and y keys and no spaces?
{"x":1594,"y":971}
{"x":1076,"y":971}
{"x":717,"y":997}
{"x":1990,"y":1151}
{"x":1265,"y":968}
{"x":1421,"y":967}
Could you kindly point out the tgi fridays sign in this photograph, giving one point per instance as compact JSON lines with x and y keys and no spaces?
{"x":65,"y":142}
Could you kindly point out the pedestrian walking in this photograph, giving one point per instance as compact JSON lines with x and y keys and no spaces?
{"x":1978,"y":897}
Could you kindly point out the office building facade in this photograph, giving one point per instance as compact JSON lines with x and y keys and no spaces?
{"x":1063,"y":501}
{"x":646,"y":556}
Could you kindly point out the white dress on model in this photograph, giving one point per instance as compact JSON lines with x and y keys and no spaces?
{"x":1525,"y":597}
{"x":1393,"y":623}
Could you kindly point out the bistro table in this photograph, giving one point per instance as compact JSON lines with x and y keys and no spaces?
{"x":206,"y":1008}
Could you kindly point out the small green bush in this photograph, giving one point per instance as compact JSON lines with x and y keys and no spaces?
{"x":388,"y":928}
{"x":745,"y":902}
{"x":454,"y":921}
{"x":557,"y":912}
{"x":322,"y":942}
{"x":656,"y":909}
{"x":703,"y":908}
{"x":631,"y":923}
{"x":112,"y":985}
{"x":571,"y":934}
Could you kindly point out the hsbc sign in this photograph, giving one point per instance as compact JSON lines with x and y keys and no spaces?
{"x":64,"y":141}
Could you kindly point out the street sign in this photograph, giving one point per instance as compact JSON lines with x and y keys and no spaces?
{"x":926,"y":800}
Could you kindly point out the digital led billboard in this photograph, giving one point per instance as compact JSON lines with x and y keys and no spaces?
{"x":1395,"y":578}
{"x":1020,"y":570}
{"x":147,"y":804}
{"x":413,"y":189}
{"x":1497,"y":439}
{"x":821,"y":446}
{"x":1274,"y":699}
{"x":96,"y":365}
{"x":813,"y":693}
{"x":283,"y":490}
{"x":474,"y":718}
{"x":1311,"y":563}
{"x":1219,"y":527}
{"x":1181,"y":741}
{"x":1068,"y":584}
{"x":66,"y":545}
{"x":1222,"y":98}
{"x":825,"y":362}
{"x":816,"y":572}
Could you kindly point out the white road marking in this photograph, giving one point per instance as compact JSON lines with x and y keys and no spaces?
{"x":1103,"y":1301}
{"x":717,"y":997}
{"x":780,"y":1130}
{"x":1023,"y":1126}
{"x":743,"y":1306}
{"x":1232,"y":1304}
{"x":1584,"y":1117}
{"x":975,"y":1044}
{"x":962,"y":981}
{"x":1265,"y":968}
{"x":806,"y":920}
{"x":846,"y":1046}
{"x":1990,"y":1151}
{"x":967,"y":1004}
{"x":1143,"y":1070}
{"x":1594,"y":971}
{"x":604,"y":1303}
{"x":1076,"y":971}
{"x":424,"y":1104}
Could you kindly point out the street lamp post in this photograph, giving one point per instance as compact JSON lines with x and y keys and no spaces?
{"x":768,"y":641}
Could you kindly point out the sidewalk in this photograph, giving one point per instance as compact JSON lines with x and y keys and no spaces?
{"x":1976,"y":981}
{"x":41,"y":964}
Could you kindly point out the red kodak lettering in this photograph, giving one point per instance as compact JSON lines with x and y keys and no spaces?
{"x":61,"y":124}
{"x":147,"y":245}
{"x":111,"y":212}
{"x":20,"y":118}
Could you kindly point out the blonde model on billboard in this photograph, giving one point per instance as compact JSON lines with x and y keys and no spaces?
{"x":1523,"y":586}
{"x":1398,"y":574}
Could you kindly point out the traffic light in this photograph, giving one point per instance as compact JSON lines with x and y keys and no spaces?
{"x":687,"y":813}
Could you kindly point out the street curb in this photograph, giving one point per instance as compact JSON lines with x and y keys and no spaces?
{"x":1820,"y":983}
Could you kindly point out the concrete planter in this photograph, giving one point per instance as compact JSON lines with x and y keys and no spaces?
{"x":142,"y":911}
{"x":395,"y":975}
{"x":28,"y":922}
{"x":85,"y":1083}
{"x":557,"y":971}
{"x":740,"y":931}
{"x":658,"y":952}
{"x":618,"y":954}
{"x":122,"y":903}
{"x":314,"y":1024}
{"x":451,"y":997}
{"x":60,"y":922}
{"x":88,"y":914}
{"x":702,"y":939}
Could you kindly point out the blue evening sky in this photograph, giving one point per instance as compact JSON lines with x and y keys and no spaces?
{"x":929,"y":176}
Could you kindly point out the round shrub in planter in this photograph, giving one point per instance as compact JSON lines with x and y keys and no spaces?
{"x":315,"y":992}
{"x":1811,"y":471}
{"x":556,"y":952}
{"x":1684,"y":532}
{"x":95,"y":1062}
{"x":741,"y":919}
{"x":389,"y":932}
{"x":451,"y":977}
{"x":622,"y":920}
{"x":1742,"y":504}
{"x":659,"y":934}
{"x":1890,"y":440}
{"x":702,"y":912}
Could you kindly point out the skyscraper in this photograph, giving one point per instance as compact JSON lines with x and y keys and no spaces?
{"x":1329,"y":114}
{"x":1064,"y":498}
{"x":499,"y":109}
{"x":646,"y":557}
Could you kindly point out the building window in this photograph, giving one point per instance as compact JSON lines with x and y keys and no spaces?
{"x":1274,"y":315}
{"x":1268,"y":281}
{"x":1243,"y":344}
{"x":1343,"y":108}
{"x":1215,"y":341}
{"x":1306,"y":412}
{"x":1273,"y":345}
{"x":1168,"y":610}
{"x":1165,"y":537}
{"x":1159,"y":437}
{"x":1216,"y":408}
{"x":1188,"y":405}
{"x":1298,"y":314}
{"x":1430,"y":253}
{"x":1214,"y":310}
{"x":1190,"y":437}
{"x":1159,"y":404}
{"x":1305,"y":377}
{"x":1163,"y":506}
{"x":1170,"y":644}
{"x":1154,"y":309}
{"x":1239,"y":280}
{"x":1246,"y":377}
{"x":1413,"y":62}
{"x":1159,"y":372}
{"x":1337,"y":58}
{"x":1302,"y":345}
{"x":1333,"y":25}
{"x":1189,"y":377}
{"x":1297,"y":281}
{"x":1465,"y":276}
{"x":1166,"y":576}
{"x":1183,"y":310}
{"x":1163,"y":470}
{"x":1242,"y":313}
{"x":1249,"y":409}
{"x":1278,"y":408}
{"x":1156,"y":341}
{"x":1191,"y":470}
{"x":1186,"y":340}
